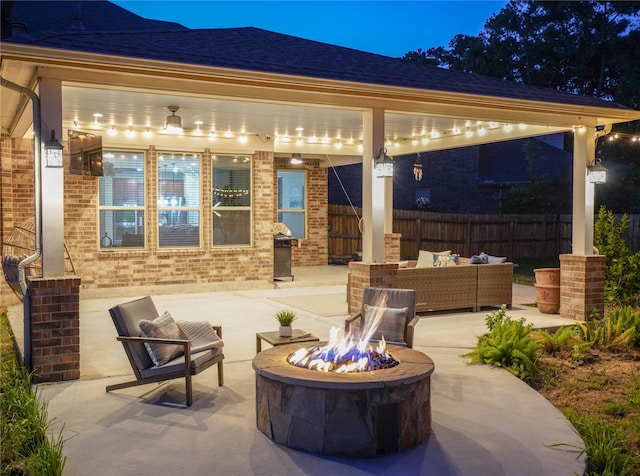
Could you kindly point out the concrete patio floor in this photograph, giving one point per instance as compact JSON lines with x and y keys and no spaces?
{"x":485,"y":421}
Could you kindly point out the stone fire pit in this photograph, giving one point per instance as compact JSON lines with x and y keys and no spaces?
{"x":354,"y":414}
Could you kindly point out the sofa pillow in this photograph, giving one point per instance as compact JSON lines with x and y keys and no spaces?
{"x":166,"y":328}
{"x":425,"y":258}
{"x":497,"y":259}
{"x":201,"y":335}
{"x":391,"y":324}
{"x":442,"y":260}
{"x":475,"y":259}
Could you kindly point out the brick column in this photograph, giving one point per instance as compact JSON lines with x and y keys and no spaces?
{"x":364,"y":275}
{"x":55,"y":328}
{"x":392,"y":247}
{"x":581,"y":286}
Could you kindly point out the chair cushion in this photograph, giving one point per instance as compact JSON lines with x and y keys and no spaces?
{"x":425,"y":258}
{"x":391,"y":324}
{"x":166,"y":328}
{"x":201,"y":335}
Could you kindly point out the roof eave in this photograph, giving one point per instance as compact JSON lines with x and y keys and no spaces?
{"x":265,"y":86}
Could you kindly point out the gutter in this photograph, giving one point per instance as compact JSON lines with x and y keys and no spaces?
{"x":37,"y":154}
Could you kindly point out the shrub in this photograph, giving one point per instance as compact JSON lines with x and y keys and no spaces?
{"x":622,"y":268}
{"x":508,"y":344}
{"x":563,"y":339}
{"x":617,"y":329}
{"x":24,"y":421}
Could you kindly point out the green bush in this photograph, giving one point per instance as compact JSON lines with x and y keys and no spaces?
{"x":24,"y":421}
{"x":562,"y":340}
{"x":508,"y":344}
{"x":622,"y":268}
{"x":619,"y":328}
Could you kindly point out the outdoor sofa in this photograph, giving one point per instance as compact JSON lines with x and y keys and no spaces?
{"x":464,"y":286}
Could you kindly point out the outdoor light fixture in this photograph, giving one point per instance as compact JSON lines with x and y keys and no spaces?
{"x":53,"y":152}
{"x":597,"y":171}
{"x":417,"y":168}
{"x":383,"y":164}
{"x":296,"y":159}
{"x":174,"y":123}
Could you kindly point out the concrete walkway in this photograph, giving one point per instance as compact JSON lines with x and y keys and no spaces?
{"x":485,"y":421}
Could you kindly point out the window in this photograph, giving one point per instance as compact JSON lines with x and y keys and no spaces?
{"x":178,"y":200}
{"x":231,"y":199}
{"x":292,"y":200}
{"x":121,"y":200}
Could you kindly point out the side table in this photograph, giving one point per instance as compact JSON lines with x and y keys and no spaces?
{"x":274,"y":338}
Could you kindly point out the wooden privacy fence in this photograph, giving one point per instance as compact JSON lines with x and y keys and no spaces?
{"x":513,"y":236}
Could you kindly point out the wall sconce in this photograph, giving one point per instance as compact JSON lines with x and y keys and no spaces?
{"x":53,"y":152}
{"x":296,"y":159}
{"x":597,"y":171}
{"x":383,"y":165}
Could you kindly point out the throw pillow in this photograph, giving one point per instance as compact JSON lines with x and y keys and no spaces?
{"x":201,"y":335}
{"x":475,"y":259}
{"x":163,"y":327}
{"x":440,"y":260}
{"x":425,"y":258}
{"x":390,"y":325}
{"x":497,"y":259}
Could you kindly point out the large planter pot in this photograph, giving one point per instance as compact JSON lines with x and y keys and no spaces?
{"x":548,"y":298}
{"x":547,"y":276}
{"x":548,"y":290}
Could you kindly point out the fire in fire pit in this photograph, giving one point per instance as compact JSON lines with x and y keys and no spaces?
{"x":344,"y":353}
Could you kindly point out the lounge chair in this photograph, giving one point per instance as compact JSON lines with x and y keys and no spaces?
{"x":173,"y":344}
{"x":397,"y":319}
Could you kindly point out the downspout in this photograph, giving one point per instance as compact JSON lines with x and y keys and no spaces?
{"x":37,"y":154}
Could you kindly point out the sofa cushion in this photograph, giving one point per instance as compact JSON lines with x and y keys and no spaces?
{"x":391,"y":324}
{"x":166,"y":328}
{"x":442,"y":260}
{"x":425,"y":258}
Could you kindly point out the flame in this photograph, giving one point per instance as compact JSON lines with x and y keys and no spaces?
{"x":346,"y":352}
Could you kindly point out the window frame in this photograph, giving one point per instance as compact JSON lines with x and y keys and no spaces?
{"x":123,"y":208}
{"x":186,"y":209}
{"x":231,"y":208}
{"x":305,"y":209}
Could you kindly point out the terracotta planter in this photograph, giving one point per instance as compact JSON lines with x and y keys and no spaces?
{"x":285,"y":331}
{"x":547,"y":276}
{"x":548,"y":290}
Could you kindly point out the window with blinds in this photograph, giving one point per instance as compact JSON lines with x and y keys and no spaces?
{"x":121,"y":201}
{"x":231,"y":200}
{"x":179,"y":204}
{"x":292,"y":198}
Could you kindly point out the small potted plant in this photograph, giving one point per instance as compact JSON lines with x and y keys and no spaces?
{"x":285,"y":318}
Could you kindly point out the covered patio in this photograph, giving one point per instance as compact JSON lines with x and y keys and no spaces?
{"x":485,"y":421}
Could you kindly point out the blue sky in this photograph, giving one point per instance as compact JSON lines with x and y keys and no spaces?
{"x":390,"y":28}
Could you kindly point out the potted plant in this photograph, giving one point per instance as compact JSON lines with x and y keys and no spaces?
{"x":285,"y":318}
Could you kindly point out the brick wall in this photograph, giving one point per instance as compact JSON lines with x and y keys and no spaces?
{"x":16,"y":194}
{"x":55,"y":328}
{"x":581,"y":286}
{"x":313,"y":250}
{"x":130,"y":269}
{"x":364,"y":275}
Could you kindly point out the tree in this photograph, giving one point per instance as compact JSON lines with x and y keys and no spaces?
{"x":588,"y":48}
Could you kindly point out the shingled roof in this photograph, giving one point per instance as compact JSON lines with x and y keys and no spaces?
{"x":259,"y":50}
